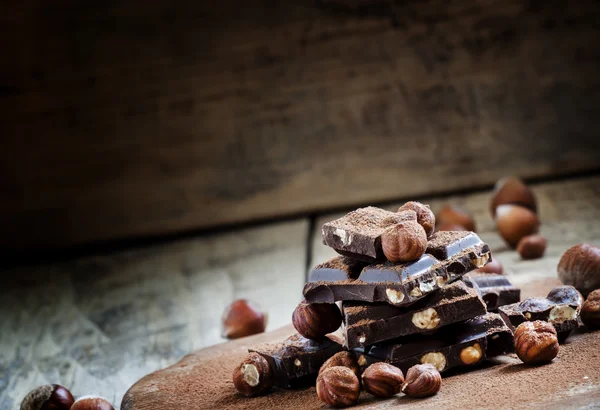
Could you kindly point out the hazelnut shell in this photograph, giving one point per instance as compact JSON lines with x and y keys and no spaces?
{"x":338,"y":387}
{"x":315,"y":320}
{"x":404,"y":242}
{"x":49,"y":396}
{"x":451,"y":215}
{"x":382,"y":379}
{"x":513,"y":191}
{"x":580,"y":267}
{"x":425,"y":216}
{"x":242,"y":318}
{"x":515,"y":222}
{"x":422,"y":380}
{"x":532,"y":246}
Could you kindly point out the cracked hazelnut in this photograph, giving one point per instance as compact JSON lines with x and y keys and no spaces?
{"x":426,"y":319}
{"x":590,"y":312}
{"x":50,"y":396}
{"x":338,"y":387}
{"x":536,"y":342}
{"x":437,"y":359}
{"x":253,"y":376}
{"x":315,"y":320}
{"x":471,"y":354}
{"x":92,"y":403}
{"x":515,"y":222}
{"x":344,"y":359}
{"x":404,"y":242}
{"x":382,"y":379}
{"x":514,"y":192}
{"x":425,"y":217}
{"x":422,"y":380}
{"x":580,"y":267}
{"x":242,"y":318}
{"x":532,"y":246}
{"x":451,"y":215}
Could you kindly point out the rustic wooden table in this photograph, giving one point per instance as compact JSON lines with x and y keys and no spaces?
{"x":98,"y":324}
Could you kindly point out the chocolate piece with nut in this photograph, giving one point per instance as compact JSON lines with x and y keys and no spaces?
{"x":462,"y":344}
{"x":561,"y":308}
{"x":399,"y":284}
{"x":367,"y":324}
{"x":296,"y":361}
{"x":358,"y":234}
{"x":495,"y":290}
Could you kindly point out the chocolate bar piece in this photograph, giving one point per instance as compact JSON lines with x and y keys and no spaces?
{"x":461,"y":344}
{"x":561,"y":308}
{"x":296,"y":361}
{"x":399,"y":284}
{"x":358,"y":234}
{"x":367,"y":324}
{"x":495,"y":290}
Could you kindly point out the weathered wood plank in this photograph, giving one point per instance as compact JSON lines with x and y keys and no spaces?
{"x":136,"y":119}
{"x":98,"y":324}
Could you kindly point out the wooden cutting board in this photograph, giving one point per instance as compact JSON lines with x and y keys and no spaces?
{"x":202,"y":380}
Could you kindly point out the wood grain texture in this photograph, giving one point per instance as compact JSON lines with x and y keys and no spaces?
{"x":96,"y":325}
{"x":132,"y":119}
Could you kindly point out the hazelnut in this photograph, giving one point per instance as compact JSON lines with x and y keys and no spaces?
{"x":515,"y":222}
{"x":394,"y":296}
{"x":49,"y":396}
{"x":92,"y":403}
{"x":382,"y":379}
{"x":471,"y":354}
{"x":532,"y":246}
{"x":426,"y":319}
{"x":404,"y":242}
{"x":580,"y":267}
{"x":425,"y":217}
{"x":242,"y":318}
{"x":590,"y":312}
{"x":514,"y":192}
{"x":536,"y":342}
{"x":315,"y":320}
{"x":253,"y":376}
{"x":450,"y":215}
{"x":338,"y":387}
{"x":494,"y":267}
{"x":437,"y":359}
{"x":344,"y":359}
{"x":422,"y":380}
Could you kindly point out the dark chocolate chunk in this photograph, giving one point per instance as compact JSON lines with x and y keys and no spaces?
{"x":561,"y":308}
{"x":461,"y":344}
{"x":337,"y":269}
{"x":445,"y":244}
{"x":296,"y":361}
{"x":367,"y":324}
{"x":358,"y":234}
{"x":399,"y":284}
{"x":495,"y":290}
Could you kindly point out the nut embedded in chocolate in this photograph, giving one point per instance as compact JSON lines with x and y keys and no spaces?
{"x":253,"y":376}
{"x":436,"y":359}
{"x":338,"y":387}
{"x":426,"y":319}
{"x":580,"y":267}
{"x":315,"y":320}
{"x":536,"y":342}
{"x":425,"y":217}
{"x":590,"y":312}
{"x":404,"y":242}
{"x":50,"y":396}
{"x":382,"y":379}
{"x":471,"y":354}
{"x":532,"y":246}
{"x":422,"y":380}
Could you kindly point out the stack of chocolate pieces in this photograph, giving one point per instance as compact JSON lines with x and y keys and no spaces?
{"x":402,"y":296}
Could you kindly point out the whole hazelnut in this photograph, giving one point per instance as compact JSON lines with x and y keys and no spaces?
{"x":49,"y":396}
{"x":590,"y":311}
{"x":422,"y":380}
{"x":382,"y":379}
{"x":451,"y":215}
{"x":515,"y":222}
{"x":344,"y":359}
{"x":338,"y":387}
{"x":425,"y":217}
{"x":253,"y":376}
{"x":92,"y":403}
{"x":580,"y":267}
{"x":242,"y":318}
{"x":494,"y":267}
{"x":315,"y":320}
{"x":404,"y":242}
{"x":512,"y":191}
{"x":532,"y":246}
{"x":536,"y":342}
